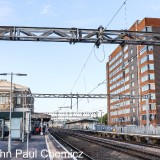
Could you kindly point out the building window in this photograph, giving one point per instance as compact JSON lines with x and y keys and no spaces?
{"x":18,"y":100}
{"x":147,"y":67}
{"x":147,"y":58}
{"x":134,"y":119}
{"x":152,"y":106}
{"x":151,"y":76}
{"x":149,"y":29}
{"x":152,"y":86}
{"x":148,"y":77}
{"x":144,"y":117}
{"x":132,"y":75}
{"x":126,"y":56}
{"x":151,"y":67}
{"x":3,"y":100}
{"x":131,"y":51}
{"x":126,"y":78}
{"x":131,"y":59}
{"x":152,"y":116}
{"x":125,"y":47}
{"x":126,"y":86}
{"x":132,"y":84}
{"x":144,"y":108}
{"x":144,"y":78}
{"x":132,"y":67}
{"x":150,"y":48}
{"x":148,"y":87}
{"x":133,"y":101}
{"x":126,"y":70}
{"x":143,"y":50}
{"x":153,"y":96}
{"x":133,"y":109}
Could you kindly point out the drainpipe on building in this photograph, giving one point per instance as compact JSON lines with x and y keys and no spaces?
{"x":138,"y":116}
{"x":147,"y":112}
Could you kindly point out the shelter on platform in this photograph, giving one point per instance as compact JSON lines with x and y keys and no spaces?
{"x":84,"y":124}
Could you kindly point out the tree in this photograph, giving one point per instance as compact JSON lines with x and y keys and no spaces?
{"x":104,"y":119}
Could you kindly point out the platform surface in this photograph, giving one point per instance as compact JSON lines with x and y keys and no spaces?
{"x":36,"y":148}
{"x":39,"y":147}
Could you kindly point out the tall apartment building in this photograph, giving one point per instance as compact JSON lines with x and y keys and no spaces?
{"x":135,"y":70}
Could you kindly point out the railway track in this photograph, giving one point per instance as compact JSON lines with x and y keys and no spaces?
{"x":113,"y":145}
{"x":82,"y":154}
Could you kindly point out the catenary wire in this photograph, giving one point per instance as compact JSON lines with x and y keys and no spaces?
{"x":105,"y":80}
{"x":81,"y":71}
{"x":116,"y":13}
{"x":94,"y":51}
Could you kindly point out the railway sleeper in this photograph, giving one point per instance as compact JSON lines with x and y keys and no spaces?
{"x":140,"y":139}
{"x":153,"y":141}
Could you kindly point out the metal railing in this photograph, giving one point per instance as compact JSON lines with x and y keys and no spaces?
{"x":131,"y":129}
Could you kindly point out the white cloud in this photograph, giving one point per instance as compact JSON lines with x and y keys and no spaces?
{"x":47,"y":9}
{"x":155,"y":8}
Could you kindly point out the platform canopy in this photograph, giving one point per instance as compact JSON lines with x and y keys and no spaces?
{"x":39,"y":116}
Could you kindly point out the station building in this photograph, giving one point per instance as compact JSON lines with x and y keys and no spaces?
{"x":21,"y":108}
{"x":23,"y":118}
{"x":135,"y":70}
{"x":18,"y":103}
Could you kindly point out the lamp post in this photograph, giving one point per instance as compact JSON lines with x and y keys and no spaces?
{"x":24,"y":104}
{"x":101,"y":119}
{"x":10,"y":111}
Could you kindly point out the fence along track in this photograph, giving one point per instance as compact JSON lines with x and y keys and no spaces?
{"x":143,"y":144}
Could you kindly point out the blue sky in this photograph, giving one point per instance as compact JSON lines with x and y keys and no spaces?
{"x":54,"y":67}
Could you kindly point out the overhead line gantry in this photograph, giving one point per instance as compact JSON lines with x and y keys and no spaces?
{"x":77,"y":35}
{"x":70,"y":96}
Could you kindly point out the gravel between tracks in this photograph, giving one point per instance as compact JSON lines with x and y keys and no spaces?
{"x":96,"y":151}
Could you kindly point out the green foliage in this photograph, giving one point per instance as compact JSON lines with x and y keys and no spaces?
{"x":104,"y":119}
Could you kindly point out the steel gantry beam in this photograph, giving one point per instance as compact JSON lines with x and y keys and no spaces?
{"x":77,"y":35}
{"x":71,"y":113}
{"x":77,"y":96}
{"x":64,"y":115}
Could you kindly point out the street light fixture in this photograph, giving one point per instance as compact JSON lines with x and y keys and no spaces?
{"x":101,"y":119}
{"x":10,"y":113}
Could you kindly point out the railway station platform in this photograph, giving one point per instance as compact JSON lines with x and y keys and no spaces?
{"x":39,"y":147}
{"x":146,"y":138}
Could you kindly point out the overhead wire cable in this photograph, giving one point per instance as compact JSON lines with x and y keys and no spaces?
{"x":125,"y":7}
{"x":83,"y":68}
{"x":103,"y":55}
{"x":81,"y":71}
{"x":116,"y":13}
{"x":94,"y":48}
{"x":105,"y":80}
{"x":103,"y":48}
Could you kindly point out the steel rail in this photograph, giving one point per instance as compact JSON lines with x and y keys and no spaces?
{"x":112,"y":145}
{"x":71,"y":146}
